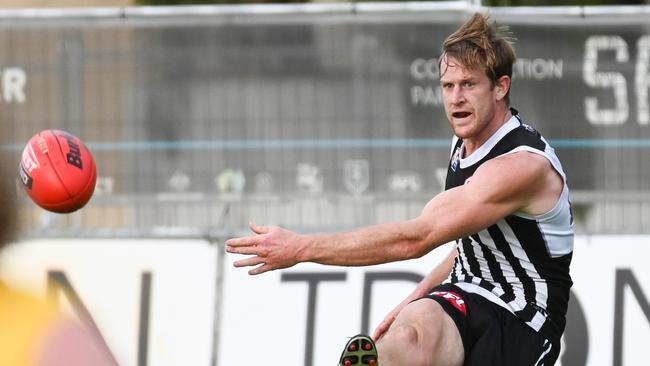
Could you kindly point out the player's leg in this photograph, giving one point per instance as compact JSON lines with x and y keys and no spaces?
{"x":423,"y":334}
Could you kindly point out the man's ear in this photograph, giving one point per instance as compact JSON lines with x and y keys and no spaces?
{"x":502,"y":86}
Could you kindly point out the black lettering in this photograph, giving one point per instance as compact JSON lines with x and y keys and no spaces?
{"x":145,"y":306}
{"x":57,"y":282}
{"x":625,"y":277}
{"x":576,"y":334}
{"x":369,"y":279}
{"x":74,"y":160}
{"x":74,"y":156}
{"x":312,"y":280}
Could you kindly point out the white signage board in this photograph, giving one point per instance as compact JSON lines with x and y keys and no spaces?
{"x":152,"y":300}
{"x":302,"y":316}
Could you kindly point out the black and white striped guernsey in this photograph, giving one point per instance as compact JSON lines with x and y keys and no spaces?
{"x":522,"y":262}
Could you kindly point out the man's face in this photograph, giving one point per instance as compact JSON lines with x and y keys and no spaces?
{"x":470,"y":98}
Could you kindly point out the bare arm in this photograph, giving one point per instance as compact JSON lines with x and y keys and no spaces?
{"x":498,"y":188}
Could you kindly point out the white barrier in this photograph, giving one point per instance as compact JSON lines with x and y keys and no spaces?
{"x":302,"y":316}
{"x":117,"y":279}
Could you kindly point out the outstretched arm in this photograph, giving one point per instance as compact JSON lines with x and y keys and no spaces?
{"x":498,"y":188}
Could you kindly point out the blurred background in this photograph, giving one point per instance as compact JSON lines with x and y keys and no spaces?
{"x":316,"y":116}
{"x":91,"y":3}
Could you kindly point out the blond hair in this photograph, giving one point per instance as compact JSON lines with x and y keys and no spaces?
{"x":479,"y":45}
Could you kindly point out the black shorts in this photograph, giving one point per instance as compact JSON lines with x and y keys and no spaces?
{"x":492,"y":336}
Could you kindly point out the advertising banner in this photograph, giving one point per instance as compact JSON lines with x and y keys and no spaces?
{"x":152,"y":301}
{"x":303,"y":316}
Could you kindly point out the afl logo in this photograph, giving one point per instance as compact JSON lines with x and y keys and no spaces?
{"x":455,"y":159}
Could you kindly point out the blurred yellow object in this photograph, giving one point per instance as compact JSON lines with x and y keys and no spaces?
{"x":25,"y":323}
{"x":34,"y":333}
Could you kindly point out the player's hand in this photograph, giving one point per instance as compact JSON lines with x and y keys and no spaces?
{"x":271,"y":247}
{"x":385,"y":324}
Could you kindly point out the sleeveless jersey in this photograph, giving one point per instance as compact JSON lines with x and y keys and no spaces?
{"x":522,"y":262}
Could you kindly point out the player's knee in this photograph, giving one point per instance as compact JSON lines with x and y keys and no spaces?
{"x":402,"y":345}
{"x":403,"y":334}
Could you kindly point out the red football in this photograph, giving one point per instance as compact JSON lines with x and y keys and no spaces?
{"x":58,"y":171}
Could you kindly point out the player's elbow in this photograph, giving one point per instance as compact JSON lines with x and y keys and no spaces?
{"x":418,"y":240}
{"x":417,"y":250}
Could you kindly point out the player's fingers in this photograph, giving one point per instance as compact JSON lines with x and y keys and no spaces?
{"x":252,"y":261}
{"x":379,"y":332}
{"x":383,"y":327}
{"x":258,"y":229}
{"x":249,"y":249}
{"x":243,"y":241}
{"x":259,"y":270}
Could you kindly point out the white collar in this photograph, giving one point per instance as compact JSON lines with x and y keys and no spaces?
{"x":487,"y":146}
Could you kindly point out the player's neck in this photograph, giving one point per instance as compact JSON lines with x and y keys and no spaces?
{"x":472,"y":144}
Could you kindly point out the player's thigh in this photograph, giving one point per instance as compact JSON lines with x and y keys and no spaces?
{"x":438,"y":335}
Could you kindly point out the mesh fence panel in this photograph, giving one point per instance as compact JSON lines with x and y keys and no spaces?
{"x":206,"y":118}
